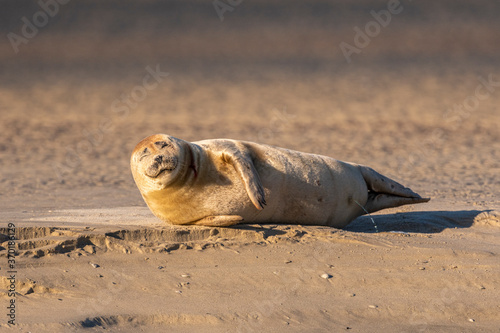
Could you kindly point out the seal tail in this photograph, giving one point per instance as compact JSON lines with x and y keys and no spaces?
{"x":384,"y":192}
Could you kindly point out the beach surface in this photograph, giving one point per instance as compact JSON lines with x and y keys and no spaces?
{"x":420,"y":103}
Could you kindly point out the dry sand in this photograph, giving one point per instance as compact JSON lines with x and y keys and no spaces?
{"x":91,"y":257}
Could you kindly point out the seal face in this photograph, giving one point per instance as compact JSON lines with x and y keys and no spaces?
{"x":223,"y":182}
{"x":160,"y":162}
{"x":155,"y":161}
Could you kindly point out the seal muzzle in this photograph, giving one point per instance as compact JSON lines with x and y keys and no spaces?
{"x":161,"y":163}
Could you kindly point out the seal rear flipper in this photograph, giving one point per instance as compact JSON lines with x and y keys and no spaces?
{"x":382,"y":184}
{"x":378,"y":201}
{"x":218,"y":221}
{"x":245,"y":168}
{"x":384,"y":192}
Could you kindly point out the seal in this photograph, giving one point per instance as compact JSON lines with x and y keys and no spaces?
{"x":223,"y":182}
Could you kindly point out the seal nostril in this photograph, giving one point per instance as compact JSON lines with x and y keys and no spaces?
{"x":159,"y":159}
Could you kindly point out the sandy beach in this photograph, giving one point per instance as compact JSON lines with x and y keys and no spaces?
{"x":419,"y":102}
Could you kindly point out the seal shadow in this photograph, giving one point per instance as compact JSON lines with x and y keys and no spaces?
{"x":417,"y":222}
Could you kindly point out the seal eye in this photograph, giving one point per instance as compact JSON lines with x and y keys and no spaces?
{"x":144,"y":154}
{"x":162,"y":144}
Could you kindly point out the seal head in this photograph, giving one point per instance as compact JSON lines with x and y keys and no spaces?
{"x":157,"y":161}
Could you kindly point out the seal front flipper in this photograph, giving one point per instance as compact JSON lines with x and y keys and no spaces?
{"x":386,"y":193}
{"x":243,"y":164}
{"x":219,"y":221}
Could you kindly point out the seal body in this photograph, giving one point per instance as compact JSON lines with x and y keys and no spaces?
{"x":223,"y":182}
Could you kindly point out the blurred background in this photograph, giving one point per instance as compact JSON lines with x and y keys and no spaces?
{"x":83,"y":81}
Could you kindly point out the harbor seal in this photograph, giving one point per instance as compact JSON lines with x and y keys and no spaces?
{"x":223,"y":182}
